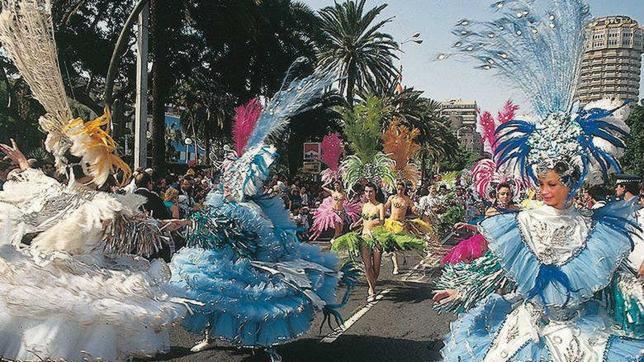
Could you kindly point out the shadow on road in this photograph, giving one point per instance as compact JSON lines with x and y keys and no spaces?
{"x":355,"y":348}
{"x":407,"y":294}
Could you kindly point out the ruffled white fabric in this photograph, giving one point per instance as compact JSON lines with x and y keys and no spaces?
{"x":61,"y":299}
{"x":63,"y":307}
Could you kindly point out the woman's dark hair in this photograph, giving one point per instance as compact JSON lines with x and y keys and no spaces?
{"x":402,"y":183}
{"x":503,"y":185}
{"x":380,"y":197}
{"x":597,"y":193}
{"x":371,"y":185}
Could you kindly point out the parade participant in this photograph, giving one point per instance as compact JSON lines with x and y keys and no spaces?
{"x":369,"y":167}
{"x":475,"y":246}
{"x":69,"y":288}
{"x":397,"y":206}
{"x":487,"y":180}
{"x":336,"y":210}
{"x":399,"y":143}
{"x":259,"y":284}
{"x":553,"y":258}
{"x":367,"y":245}
{"x":397,"y":224}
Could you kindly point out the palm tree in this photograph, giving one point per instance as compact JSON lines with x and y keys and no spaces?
{"x":411,"y":109}
{"x":356,"y":47}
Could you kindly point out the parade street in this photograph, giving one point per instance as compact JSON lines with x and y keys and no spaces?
{"x":399,"y":326}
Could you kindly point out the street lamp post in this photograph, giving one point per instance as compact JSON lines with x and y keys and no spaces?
{"x":141,"y":108}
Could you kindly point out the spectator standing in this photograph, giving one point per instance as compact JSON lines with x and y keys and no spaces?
{"x":171,"y":201}
{"x":154,"y":205}
{"x":304,"y":196}
{"x":296,"y":200}
{"x":186,"y":199}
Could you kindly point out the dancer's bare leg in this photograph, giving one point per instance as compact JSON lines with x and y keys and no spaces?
{"x":338,"y":229}
{"x":377,"y":261}
{"x":368,"y":270}
{"x":207,"y":343}
{"x":394,"y":260}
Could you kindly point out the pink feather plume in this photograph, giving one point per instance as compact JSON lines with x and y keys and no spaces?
{"x":486,"y":128}
{"x":508,"y":113}
{"x":483,"y":174}
{"x":487,"y":125}
{"x":332,"y":150}
{"x":246,"y":117}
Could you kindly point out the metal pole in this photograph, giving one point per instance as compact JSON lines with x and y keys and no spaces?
{"x":141,"y":112}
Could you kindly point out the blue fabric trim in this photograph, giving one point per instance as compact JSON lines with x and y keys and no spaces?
{"x":587,"y":272}
{"x":473,"y":333}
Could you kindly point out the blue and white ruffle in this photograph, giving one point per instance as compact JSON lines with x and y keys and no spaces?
{"x":572,"y":283}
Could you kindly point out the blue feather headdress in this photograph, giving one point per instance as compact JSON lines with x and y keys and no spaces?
{"x":246,"y":175}
{"x":537,"y":48}
{"x":582,"y":147}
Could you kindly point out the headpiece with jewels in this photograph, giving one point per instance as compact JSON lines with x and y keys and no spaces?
{"x":27,"y":36}
{"x":536,"y":47}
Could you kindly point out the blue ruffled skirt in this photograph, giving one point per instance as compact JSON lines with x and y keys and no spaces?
{"x":258,"y":284}
{"x":472,"y":335}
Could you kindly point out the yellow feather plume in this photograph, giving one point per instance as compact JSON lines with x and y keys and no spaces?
{"x":97,"y":150}
{"x":399,"y":144}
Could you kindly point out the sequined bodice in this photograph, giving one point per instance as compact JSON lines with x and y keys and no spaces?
{"x":553,"y":235}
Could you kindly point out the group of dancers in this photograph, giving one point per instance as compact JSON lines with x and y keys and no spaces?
{"x":543,"y":282}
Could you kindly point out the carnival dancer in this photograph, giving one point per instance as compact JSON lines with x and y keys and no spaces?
{"x":336,"y":211}
{"x":259,"y":284}
{"x":487,"y":180}
{"x":399,"y":144}
{"x":74,"y":292}
{"x":365,"y":244}
{"x":397,"y":224}
{"x":552,"y":258}
{"x":371,"y":167}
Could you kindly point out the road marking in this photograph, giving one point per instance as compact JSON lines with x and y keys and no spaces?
{"x":331,"y":337}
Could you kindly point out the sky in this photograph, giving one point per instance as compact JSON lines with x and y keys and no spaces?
{"x":452,"y":78}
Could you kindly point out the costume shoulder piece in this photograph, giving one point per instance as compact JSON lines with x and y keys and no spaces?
{"x":546,"y":251}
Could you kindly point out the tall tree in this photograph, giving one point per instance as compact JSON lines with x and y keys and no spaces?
{"x":356,"y":47}
{"x":633,"y":160}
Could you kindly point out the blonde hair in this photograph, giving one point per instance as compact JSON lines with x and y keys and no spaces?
{"x":171,"y":194}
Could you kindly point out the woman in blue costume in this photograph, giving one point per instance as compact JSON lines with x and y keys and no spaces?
{"x":535,"y":296}
{"x":260,"y":285}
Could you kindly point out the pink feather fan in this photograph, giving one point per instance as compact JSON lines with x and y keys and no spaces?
{"x":331,"y":152}
{"x":246,"y":117}
{"x":487,"y":125}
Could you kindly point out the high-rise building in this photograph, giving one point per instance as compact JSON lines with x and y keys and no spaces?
{"x":611,"y":62}
{"x":462,"y":116}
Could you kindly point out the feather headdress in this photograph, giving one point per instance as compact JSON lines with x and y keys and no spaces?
{"x":537,"y":47}
{"x":27,"y":35}
{"x":246,"y":175}
{"x":400,"y":145}
{"x":362,"y":128}
{"x":331,"y":152}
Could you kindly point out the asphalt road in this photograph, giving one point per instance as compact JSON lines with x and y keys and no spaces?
{"x":399,"y":326}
